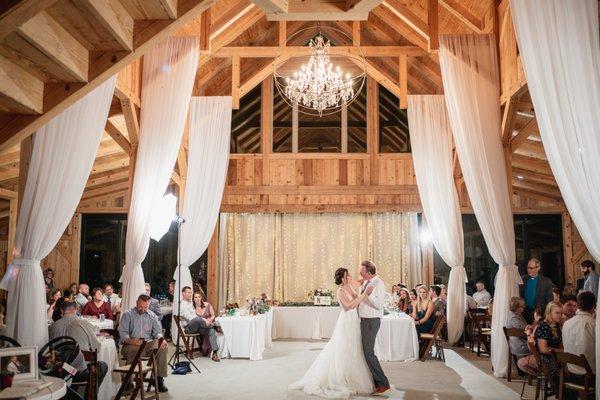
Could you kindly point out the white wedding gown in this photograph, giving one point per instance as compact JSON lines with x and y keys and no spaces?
{"x":340,"y":370}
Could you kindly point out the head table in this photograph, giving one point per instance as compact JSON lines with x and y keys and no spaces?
{"x":246,"y":336}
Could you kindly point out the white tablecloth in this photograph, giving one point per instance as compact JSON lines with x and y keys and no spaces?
{"x":304,"y":322}
{"x":245,"y":337}
{"x":108,"y":354}
{"x":397,"y":339}
{"x":55,"y":391}
{"x":106,"y":324}
{"x":269,"y":329}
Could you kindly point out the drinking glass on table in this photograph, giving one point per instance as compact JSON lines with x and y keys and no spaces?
{"x":102,"y":317}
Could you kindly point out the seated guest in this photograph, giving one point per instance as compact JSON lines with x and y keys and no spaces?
{"x":536,"y":289}
{"x":194,"y":323}
{"x":579,"y":333}
{"x":529,"y":363}
{"x":549,"y":340}
{"x":83,"y":296}
{"x":413,"y":295}
{"x":111,"y":297}
{"x":569,"y":289}
{"x":482,"y":297}
{"x":71,"y":292}
{"x":444,"y":294}
{"x":518,"y":346}
{"x":83,"y":333}
{"x":423,"y":311}
{"x":171,"y":290}
{"x":137,"y":324}
{"x":590,"y":277}
{"x":97,"y":306}
{"x":49,"y":278}
{"x":569,"y":304}
{"x":556,"y":294}
{"x":404,"y":303}
{"x":154,"y":303}
{"x":439,"y":307}
{"x":470,"y":303}
{"x":55,"y":294}
{"x":57,"y":313}
{"x":205,"y":310}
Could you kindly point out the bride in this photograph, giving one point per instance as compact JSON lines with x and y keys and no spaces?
{"x":340,"y":370}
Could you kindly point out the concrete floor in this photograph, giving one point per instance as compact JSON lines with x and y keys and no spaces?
{"x":462,"y":376}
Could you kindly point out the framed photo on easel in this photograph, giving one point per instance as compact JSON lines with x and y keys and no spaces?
{"x":21,"y":361}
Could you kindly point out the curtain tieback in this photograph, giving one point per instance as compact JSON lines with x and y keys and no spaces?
{"x":13,"y":271}
{"x":513,"y":274}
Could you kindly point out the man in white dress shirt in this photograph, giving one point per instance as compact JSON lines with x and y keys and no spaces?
{"x":482,"y":297}
{"x":579,"y":332}
{"x":370,"y":312}
{"x":193,"y":323}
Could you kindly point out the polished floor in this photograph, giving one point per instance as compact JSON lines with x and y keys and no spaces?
{"x":462,"y":376}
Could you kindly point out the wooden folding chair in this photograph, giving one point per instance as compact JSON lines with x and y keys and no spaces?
{"x":152,"y":380}
{"x":429,"y":339}
{"x":482,"y":331}
{"x":91,"y":386}
{"x":585,"y":390}
{"x":542,"y":373}
{"x":508,"y":333}
{"x":188,"y":339}
{"x":472,"y":329}
{"x":137,"y":372}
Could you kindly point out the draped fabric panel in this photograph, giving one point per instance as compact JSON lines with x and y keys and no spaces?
{"x":208,"y":156}
{"x":288,"y":255}
{"x":431,"y":143}
{"x":169,"y":72}
{"x":63,"y":154}
{"x":560,"y":48}
{"x":471,"y":84}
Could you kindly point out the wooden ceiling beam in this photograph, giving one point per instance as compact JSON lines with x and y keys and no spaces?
{"x":118,"y":137}
{"x":522,"y":173}
{"x":19,"y":13}
{"x":532,"y":164}
{"x":391,"y":19}
{"x":7,"y":194}
{"x":20,"y":92}
{"x":408,"y":17}
{"x":110,"y":187}
{"x":48,"y":36}
{"x":463,"y":14}
{"x":107,"y":177}
{"x":272,"y":6}
{"x":523,"y":134}
{"x":295,"y":51}
{"x":114,"y":18}
{"x":170,"y":6}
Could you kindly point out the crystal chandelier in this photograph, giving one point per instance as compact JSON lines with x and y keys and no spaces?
{"x":319,"y":87}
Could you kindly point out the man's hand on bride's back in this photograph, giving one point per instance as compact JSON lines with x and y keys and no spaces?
{"x":369,"y":290}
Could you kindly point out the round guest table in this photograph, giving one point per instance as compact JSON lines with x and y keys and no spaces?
{"x":397,"y":339}
{"x":106,"y":324}
{"x":312,"y":322}
{"x":245,"y":336}
{"x":108,"y":354}
{"x":56,"y":390}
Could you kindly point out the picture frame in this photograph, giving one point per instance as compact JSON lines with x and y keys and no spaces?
{"x":22,"y":361}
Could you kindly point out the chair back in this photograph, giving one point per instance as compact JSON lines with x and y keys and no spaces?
{"x":563,"y":358}
{"x":437,"y":327}
{"x":7,"y":342}
{"x":177,"y":319}
{"x":481,"y":321}
{"x":92,"y":386}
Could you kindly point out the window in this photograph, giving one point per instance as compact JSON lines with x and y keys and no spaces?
{"x":103,"y":254}
{"x":393,"y":124}
{"x":536,"y":236}
{"x":245,"y":124}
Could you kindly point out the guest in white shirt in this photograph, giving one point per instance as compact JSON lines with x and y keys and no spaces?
{"x":194,"y":323}
{"x":111,"y":297}
{"x":579,"y":332}
{"x":83,"y":296}
{"x":482,"y":297}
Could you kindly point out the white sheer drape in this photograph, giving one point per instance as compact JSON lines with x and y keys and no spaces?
{"x":63,"y":154}
{"x":431,"y":143}
{"x":169,"y":72}
{"x":560,"y":49}
{"x":471,"y":85}
{"x":413,"y":239}
{"x":208,"y":158}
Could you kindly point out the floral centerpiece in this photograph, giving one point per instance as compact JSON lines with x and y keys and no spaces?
{"x":257,"y":306}
{"x":321,"y":297}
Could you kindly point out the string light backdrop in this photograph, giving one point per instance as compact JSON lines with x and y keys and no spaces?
{"x":289,"y":255}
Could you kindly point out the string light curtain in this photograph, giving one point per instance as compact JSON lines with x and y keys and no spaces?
{"x":471,"y":85}
{"x":63,"y":154}
{"x":288,"y":255}
{"x":431,"y":144}
{"x":560,"y":49}
{"x":169,"y":72}
{"x":208,"y":156}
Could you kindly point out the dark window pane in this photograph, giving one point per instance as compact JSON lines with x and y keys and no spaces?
{"x":393,"y":124}
{"x":245,"y":124}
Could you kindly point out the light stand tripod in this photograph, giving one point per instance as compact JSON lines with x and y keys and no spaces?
{"x":178,"y":350}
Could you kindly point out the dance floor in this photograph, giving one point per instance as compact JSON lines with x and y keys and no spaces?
{"x":286,"y":361}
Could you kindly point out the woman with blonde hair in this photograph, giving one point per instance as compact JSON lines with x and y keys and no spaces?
{"x":422,"y":311}
{"x":548,"y":336}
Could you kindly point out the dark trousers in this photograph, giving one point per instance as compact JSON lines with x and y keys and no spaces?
{"x":166,"y":324}
{"x":198,"y":325}
{"x":368,"y":330}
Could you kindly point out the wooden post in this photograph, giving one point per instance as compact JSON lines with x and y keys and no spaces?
{"x":509,"y":178}
{"x":432,"y":22}
{"x":235,"y":82}
{"x":373,"y":128}
{"x":570,"y":274}
{"x":12,"y":228}
{"x":295,"y":134}
{"x":355,"y":33}
{"x":344,"y":137}
{"x":205,"y":31}
{"x":282,"y":34}
{"x":212,"y":267}
{"x":403,"y":80}
{"x":266,"y":126}
{"x":75,"y":248}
